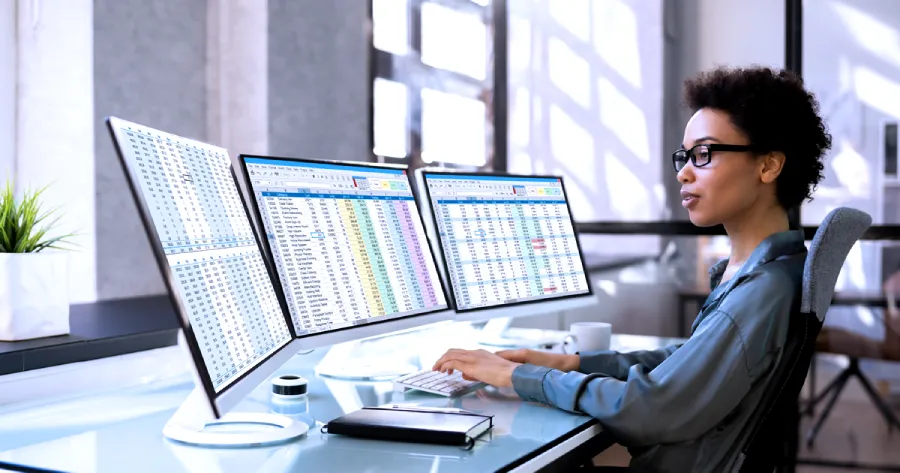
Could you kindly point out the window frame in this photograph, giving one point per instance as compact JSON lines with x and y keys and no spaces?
{"x":383,"y":65}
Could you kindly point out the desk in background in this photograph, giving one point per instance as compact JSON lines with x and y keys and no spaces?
{"x":121,"y":431}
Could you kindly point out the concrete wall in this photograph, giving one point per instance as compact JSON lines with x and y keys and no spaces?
{"x":150,"y":68}
{"x":152,"y":65}
{"x":319,"y":79}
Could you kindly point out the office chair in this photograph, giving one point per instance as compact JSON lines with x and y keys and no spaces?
{"x":855,"y":346}
{"x":774,"y":437}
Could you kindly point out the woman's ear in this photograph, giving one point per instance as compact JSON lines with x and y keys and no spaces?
{"x":771,"y":166}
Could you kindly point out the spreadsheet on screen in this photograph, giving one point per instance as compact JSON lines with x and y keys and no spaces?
{"x":348,"y":243}
{"x":506,"y":239}
{"x":216,"y":264}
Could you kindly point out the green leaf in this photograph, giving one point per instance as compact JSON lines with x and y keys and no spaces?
{"x":25,"y":225}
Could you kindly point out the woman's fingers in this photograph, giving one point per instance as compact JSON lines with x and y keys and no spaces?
{"x":450,"y":366}
{"x":458,"y":355}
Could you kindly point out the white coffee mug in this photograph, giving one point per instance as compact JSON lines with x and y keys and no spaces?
{"x":587,"y":337}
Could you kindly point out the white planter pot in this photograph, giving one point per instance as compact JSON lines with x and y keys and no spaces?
{"x":34,"y":295}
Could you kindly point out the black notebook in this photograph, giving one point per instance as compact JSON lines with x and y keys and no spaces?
{"x":412,"y":424}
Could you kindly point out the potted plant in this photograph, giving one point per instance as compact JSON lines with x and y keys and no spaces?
{"x":34,"y":293}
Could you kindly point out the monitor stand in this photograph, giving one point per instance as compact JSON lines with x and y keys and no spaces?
{"x":340,"y":363}
{"x":494,"y":334}
{"x":193,"y":423}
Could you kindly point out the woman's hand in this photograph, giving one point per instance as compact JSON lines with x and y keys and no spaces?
{"x":556,"y":361}
{"x":478,"y":365}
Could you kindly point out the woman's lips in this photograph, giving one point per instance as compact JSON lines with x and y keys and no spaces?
{"x":688,"y":199}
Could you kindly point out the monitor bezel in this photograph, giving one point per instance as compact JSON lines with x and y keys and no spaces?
{"x":368,"y":327}
{"x":546,"y":300}
{"x":230,"y":394}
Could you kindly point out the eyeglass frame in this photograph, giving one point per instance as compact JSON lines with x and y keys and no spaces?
{"x":711,"y":147}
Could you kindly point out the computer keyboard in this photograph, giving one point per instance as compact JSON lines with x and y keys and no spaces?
{"x":435,"y":382}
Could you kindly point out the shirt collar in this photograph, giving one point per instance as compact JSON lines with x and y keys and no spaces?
{"x":773,"y":247}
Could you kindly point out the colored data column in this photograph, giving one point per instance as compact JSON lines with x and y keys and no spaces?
{"x":378,"y":279}
{"x":452,"y":252}
{"x":361,"y":257}
{"x":415,"y":272}
{"x":410,"y":295}
{"x":425,"y":270}
{"x":385,"y":254}
{"x":525,"y":229}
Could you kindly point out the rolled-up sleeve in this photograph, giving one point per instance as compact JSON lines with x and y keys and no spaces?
{"x":616,"y":365}
{"x":685,"y":395}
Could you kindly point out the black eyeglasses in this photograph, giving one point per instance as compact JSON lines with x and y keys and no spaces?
{"x":700,"y":155}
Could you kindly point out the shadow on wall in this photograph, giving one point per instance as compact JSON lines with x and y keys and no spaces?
{"x":852,"y":64}
{"x":586,"y":103}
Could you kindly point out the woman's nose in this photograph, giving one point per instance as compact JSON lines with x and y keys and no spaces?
{"x":686,"y":174}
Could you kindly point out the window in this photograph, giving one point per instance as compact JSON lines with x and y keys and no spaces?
{"x":433,"y":83}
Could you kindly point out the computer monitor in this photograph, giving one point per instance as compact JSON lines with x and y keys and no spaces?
{"x":232,"y":320}
{"x":508,"y":243}
{"x":350,"y":250}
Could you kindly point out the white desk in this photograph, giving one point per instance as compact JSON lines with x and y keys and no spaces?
{"x":121,"y":431}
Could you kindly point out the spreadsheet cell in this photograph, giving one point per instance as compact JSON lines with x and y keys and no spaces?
{"x":348,"y":243}
{"x":506,"y":239}
{"x":217,"y":269}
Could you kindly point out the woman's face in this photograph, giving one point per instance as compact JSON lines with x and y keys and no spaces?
{"x":729,"y":185}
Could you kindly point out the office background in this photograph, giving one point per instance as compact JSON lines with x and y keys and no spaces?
{"x":591,"y":92}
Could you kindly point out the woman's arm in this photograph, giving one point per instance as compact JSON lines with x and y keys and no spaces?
{"x":697,"y":385}
{"x":607,"y":363}
{"x":616,"y":364}
{"x":681,"y":398}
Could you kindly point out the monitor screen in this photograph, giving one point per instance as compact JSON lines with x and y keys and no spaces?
{"x":348,"y":242}
{"x":505,"y":239}
{"x":201,"y":228}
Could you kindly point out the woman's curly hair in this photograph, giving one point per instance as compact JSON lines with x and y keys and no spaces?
{"x":776,"y":113}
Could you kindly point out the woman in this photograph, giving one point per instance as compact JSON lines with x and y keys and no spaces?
{"x":752,"y":150}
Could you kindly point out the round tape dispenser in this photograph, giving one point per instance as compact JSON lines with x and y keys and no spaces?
{"x":288,"y":387}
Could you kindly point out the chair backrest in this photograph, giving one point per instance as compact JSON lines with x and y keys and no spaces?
{"x":773,"y":435}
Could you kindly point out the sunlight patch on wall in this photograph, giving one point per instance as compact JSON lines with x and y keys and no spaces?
{"x":573,"y":15}
{"x":520,"y":117}
{"x":616,"y":39}
{"x":874,"y":35}
{"x":625,"y":119}
{"x":520,"y":51}
{"x":569,"y":71}
{"x":877,"y":91}
{"x":852,"y":171}
{"x":571,"y":145}
{"x":628,"y":197}
{"x":852,"y":275}
{"x":582,"y":200}
{"x":520,"y":163}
